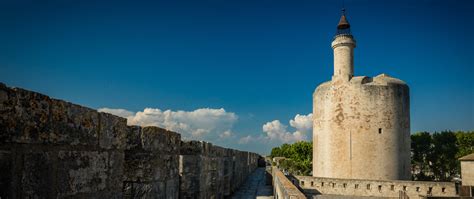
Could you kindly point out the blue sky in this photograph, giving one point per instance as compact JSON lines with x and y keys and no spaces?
{"x":259,"y":60}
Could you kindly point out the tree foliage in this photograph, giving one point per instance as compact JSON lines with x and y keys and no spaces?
{"x":435,"y":156}
{"x":299,"y":157}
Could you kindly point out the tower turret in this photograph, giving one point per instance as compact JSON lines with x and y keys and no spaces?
{"x":361,"y":125}
{"x":343,"y":46}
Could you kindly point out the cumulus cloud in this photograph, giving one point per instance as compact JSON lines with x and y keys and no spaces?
{"x":303,"y":123}
{"x":201,"y":124}
{"x":246,"y":139}
{"x":276,"y":131}
{"x":226,"y":134}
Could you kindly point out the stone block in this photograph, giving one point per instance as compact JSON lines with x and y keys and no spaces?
{"x":82,"y":172}
{"x":73,"y":124}
{"x":24,"y":116}
{"x":196,"y":148}
{"x":116,"y":170}
{"x":113,"y":131}
{"x":37,"y":175}
{"x":189,"y":164}
{"x":158,"y":139}
{"x":143,"y":166}
{"x":133,"y":138}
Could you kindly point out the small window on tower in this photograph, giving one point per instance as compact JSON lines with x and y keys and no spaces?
{"x":380,"y":130}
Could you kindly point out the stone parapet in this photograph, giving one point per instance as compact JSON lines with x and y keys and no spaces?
{"x":283,"y":187}
{"x":208,"y":171}
{"x":51,"y":148}
{"x":373,"y":188}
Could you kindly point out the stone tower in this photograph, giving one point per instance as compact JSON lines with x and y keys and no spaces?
{"x":361,"y":125}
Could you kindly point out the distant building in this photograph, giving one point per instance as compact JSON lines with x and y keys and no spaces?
{"x":277,"y":160}
{"x":467,"y":174}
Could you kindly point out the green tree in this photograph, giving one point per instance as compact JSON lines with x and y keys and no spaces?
{"x":276,"y":152}
{"x":443,"y":155}
{"x":421,"y":144}
{"x":465,"y":143}
{"x":299,"y":157}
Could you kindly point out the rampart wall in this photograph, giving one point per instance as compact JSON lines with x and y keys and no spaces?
{"x":211,"y":171}
{"x":283,"y":188}
{"x":55,"y":149}
{"x":373,"y":188}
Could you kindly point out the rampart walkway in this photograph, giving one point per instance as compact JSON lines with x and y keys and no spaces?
{"x":254,"y":187}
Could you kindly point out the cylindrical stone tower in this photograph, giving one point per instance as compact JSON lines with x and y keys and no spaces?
{"x":361,"y":125}
{"x":343,"y":46}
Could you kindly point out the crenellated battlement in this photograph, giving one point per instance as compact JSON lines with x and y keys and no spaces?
{"x":51,"y":148}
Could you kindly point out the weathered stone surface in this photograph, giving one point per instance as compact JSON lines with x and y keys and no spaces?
{"x":113,"y":131}
{"x":115,"y":171}
{"x":134,"y":141}
{"x":24,"y":116}
{"x":37,"y":176}
{"x":145,"y":166}
{"x":73,"y":124}
{"x":208,"y":171}
{"x":82,"y":172}
{"x":54,"y":149}
{"x":283,"y":187}
{"x":361,"y":125}
{"x":158,"y":139}
{"x":192,"y":148}
{"x":373,"y":188}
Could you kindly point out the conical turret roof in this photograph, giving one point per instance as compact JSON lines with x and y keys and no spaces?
{"x":343,"y":23}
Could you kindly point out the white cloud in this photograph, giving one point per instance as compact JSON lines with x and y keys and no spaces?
{"x":246,"y":139}
{"x":201,"y":124}
{"x":302,"y":123}
{"x":276,"y":131}
{"x":226,"y":134}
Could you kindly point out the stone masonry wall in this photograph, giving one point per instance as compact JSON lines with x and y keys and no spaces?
{"x":55,"y":149}
{"x":208,"y":171}
{"x":283,"y":188}
{"x":361,"y":129}
{"x":373,"y":188}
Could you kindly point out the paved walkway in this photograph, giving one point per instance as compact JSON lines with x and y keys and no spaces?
{"x":254,"y":187}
